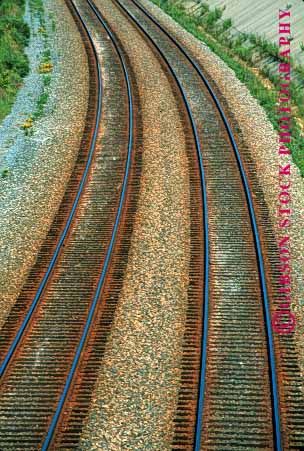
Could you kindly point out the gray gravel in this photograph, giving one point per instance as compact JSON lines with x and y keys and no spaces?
{"x":40,"y":165}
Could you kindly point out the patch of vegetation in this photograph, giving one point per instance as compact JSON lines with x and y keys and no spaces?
{"x":52,"y":20}
{"x":237,"y":54}
{"x":14,"y":65}
{"x":45,"y":68}
{"x":264,"y":46}
{"x":27,"y":125}
{"x":36,"y":7}
{"x":4,"y":172}
{"x":244,"y":53}
{"x":212,"y":17}
{"x":43,"y":98}
{"x":41,"y":30}
{"x":14,"y":36}
{"x":47,"y":80}
{"x":46,"y":55}
{"x":227,"y":23}
{"x":46,"y":65}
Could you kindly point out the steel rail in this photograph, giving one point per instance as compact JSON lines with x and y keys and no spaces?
{"x":105,"y":266}
{"x":65,"y":231}
{"x":266,"y":308}
{"x":204,"y":199}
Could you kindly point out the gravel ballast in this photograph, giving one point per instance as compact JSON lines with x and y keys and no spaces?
{"x":136,"y":392}
{"x":262,"y":141}
{"x":40,"y":164}
{"x":117,"y":422}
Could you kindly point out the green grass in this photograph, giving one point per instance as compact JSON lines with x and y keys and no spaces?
{"x":226,"y":24}
{"x":36,"y":6}
{"x":4,"y":172}
{"x":230,"y":52}
{"x":47,"y":80}
{"x":14,"y":36}
{"x":212,"y":17}
{"x":43,"y":98}
{"x":46,"y":56}
{"x":53,"y":22}
{"x":38,"y":9}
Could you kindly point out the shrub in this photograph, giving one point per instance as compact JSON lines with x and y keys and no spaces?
{"x":226,"y":24}
{"x":212,"y":17}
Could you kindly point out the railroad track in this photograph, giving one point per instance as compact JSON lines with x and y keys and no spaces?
{"x":238,"y":406}
{"x":228,"y":355}
{"x":42,"y":358}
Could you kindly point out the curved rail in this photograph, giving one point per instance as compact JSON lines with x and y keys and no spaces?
{"x":275,"y":397}
{"x":63,"y":236}
{"x":71,"y":374}
{"x":205,"y":213}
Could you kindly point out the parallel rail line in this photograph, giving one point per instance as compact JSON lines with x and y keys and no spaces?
{"x":13,"y":369}
{"x":111,"y":244}
{"x":61,"y":226}
{"x":66,"y":229}
{"x":189,"y":431}
{"x":277,"y":438}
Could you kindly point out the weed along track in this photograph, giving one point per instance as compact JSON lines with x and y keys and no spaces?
{"x":145,"y":321}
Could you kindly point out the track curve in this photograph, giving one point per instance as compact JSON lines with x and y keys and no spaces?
{"x":111,"y":244}
{"x":58,"y":322}
{"x":18,"y":335}
{"x":266,"y":307}
{"x":193,"y":419}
